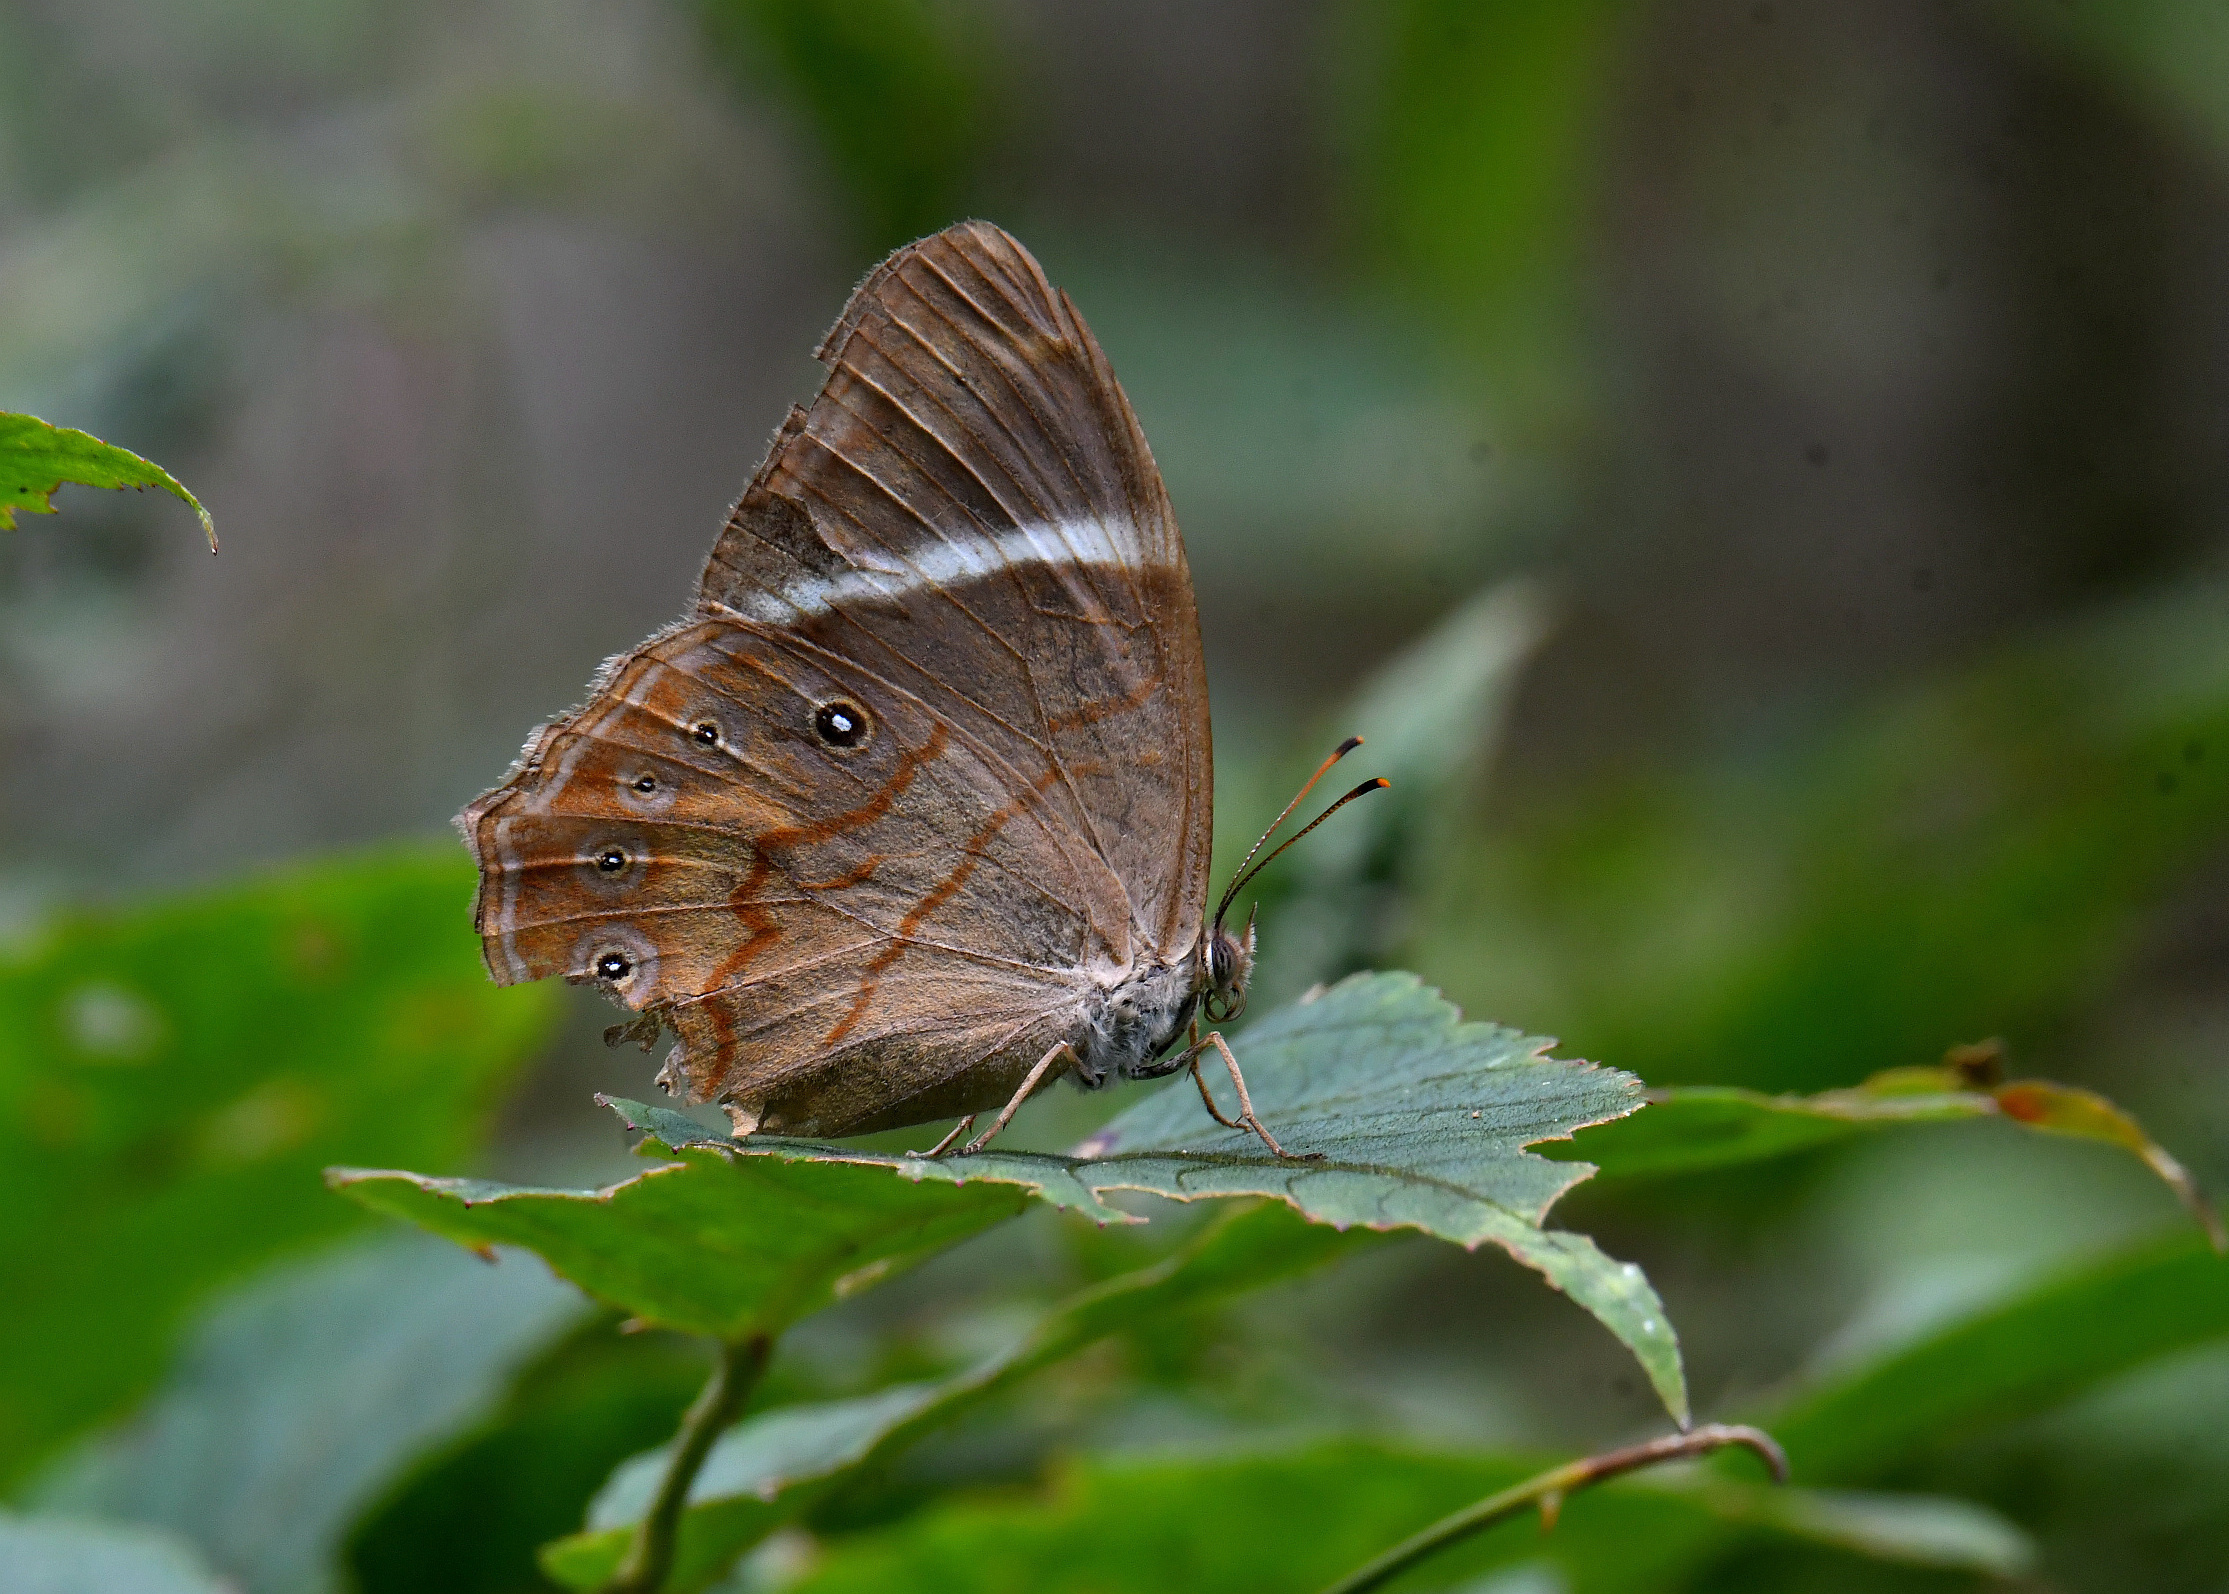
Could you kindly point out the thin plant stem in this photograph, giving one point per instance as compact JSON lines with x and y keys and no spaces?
{"x":650,"y":1556}
{"x":1548,"y":1491}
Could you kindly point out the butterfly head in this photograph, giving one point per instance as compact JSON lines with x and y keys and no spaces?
{"x":1230,"y":969}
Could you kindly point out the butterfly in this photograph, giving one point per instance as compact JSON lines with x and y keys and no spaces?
{"x":911,"y":812}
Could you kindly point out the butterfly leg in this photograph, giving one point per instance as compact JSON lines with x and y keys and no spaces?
{"x":944,"y":1145}
{"x":1245,"y":1118}
{"x":1061,"y":1053}
{"x":1207,"y":1099}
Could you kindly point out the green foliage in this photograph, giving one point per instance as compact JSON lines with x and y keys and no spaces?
{"x":1793,"y":909}
{"x":1301,"y":1516}
{"x":1431,"y":718}
{"x":2026,"y":1356}
{"x":302,"y":1396}
{"x":1477,"y":147}
{"x":719,"y":1244}
{"x":1378,"y":1073}
{"x":50,"y":1557}
{"x":469,"y":1517}
{"x":1309,"y":1516}
{"x":2153,"y":54}
{"x":36,"y":459}
{"x":2027,"y":1353}
{"x":1693,"y":1127}
{"x":173,"y":1078}
{"x":1973,"y":858}
{"x":1420,"y":1121}
{"x":777,"y":1465}
{"x":896,"y":91}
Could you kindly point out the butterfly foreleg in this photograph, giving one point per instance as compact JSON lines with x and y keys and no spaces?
{"x":1036,"y":1077}
{"x":1245,"y":1118}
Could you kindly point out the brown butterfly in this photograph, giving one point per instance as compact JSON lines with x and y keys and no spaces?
{"x":912,"y":809}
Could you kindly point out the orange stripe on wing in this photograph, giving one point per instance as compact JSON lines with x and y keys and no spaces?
{"x":1092,"y":713}
{"x":761,"y":928}
{"x":972,"y":855}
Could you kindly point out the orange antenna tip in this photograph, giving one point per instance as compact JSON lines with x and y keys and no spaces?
{"x":1374,"y":783}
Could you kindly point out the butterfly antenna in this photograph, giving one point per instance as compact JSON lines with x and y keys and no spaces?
{"x":1238,"y":881}
{"x":1284,"y":813}
{"x":1375,"y":783}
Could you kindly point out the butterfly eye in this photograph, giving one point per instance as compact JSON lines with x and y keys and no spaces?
{"x":613,"y":966}
{"x":611,"y":860}
{"x":646,"y":783}
{"x":841,"y":724}
{"x":707,"y":733}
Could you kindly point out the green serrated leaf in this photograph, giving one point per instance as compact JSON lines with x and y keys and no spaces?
{"x":730,"y":1246}
{"x":1421,"y":1121}
{"x":174,"y":1078}
{"x":51,"y":1555}
{"x":773,"y":1466}
{"x":36,"y":459}
{"x":304,"y":1392}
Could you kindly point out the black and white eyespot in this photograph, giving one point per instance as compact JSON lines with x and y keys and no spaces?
{"x":620,"y":959}
{"x":614,"y":862}
{"x":705,"y":733}
{"x":841,"y":724}
{"x":645,"y":791}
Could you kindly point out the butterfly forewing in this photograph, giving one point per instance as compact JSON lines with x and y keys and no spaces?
{"x":929,"y":764}
{"x":973,"y":447}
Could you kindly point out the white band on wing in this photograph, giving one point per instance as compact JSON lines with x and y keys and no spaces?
{"x":947,"y":562}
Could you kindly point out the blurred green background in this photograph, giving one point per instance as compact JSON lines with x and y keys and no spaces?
{"x":1759,"y":473}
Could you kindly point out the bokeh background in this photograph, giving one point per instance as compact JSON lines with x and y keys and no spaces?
{"x":1801,"y":429}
